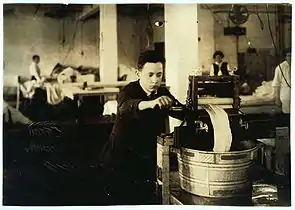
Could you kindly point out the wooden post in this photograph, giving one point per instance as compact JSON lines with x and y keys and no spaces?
{"x":282,"y":149}
{"x":163,"y":165}
{"x":108,"y":43}
{"x":181,"y":48}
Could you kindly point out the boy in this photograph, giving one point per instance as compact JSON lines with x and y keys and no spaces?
{"x":35,"y":69}
{"x":131,"y":151}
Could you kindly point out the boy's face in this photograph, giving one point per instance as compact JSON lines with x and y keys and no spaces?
{"x":151,"y":76}
{"x":218,"y":58}
{"x":37,"y":60}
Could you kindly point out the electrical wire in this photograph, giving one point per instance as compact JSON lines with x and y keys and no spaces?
{"x":260,"y":20}
{"x":71,"y":45}
{"x":276,"y":50}
{"x":82,"y":38}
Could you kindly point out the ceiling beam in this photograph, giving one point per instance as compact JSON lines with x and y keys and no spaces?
{"x":88,"y":11}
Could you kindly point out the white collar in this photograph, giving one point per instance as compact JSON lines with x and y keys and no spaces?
{"x":148,"y":93}
{"x":218,"y":63}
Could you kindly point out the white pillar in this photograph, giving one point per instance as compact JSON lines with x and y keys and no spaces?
{"x":108,"y":43}
{"x":181,"y":48}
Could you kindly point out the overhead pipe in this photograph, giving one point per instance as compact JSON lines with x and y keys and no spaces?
{"x":250,"y":11}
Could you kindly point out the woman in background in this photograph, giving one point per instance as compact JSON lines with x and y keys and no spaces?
{"x":219,"y":67}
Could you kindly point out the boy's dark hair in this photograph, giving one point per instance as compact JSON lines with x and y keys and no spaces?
{"x":218,"y":53}
{"x":150,"y":56}
{"x":35,"y":57}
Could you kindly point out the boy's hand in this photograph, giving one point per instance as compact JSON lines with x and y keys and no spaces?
{"x":162,"y":102}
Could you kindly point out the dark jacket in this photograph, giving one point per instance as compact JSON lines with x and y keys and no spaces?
{"x":134,"y":135}
{"x":223,"y":68}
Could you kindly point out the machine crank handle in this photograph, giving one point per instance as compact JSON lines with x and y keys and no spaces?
{"x":244,"y":124}
{"x":202,"y":126}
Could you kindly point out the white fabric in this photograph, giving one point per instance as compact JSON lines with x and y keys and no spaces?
{"x":110,"y":108}
{"x":221,"y":127}
{"x":265,"y":90}
{"x":286,"y":106}
{"x":215,"y":100}
{"x":54,"y":93}
{"x":256,"y":100}
{"x":263,"y":95}
{"x":282,"y":79}
{"x":16,"y":116}
{"x":28,"y":88}
{"x":65,"y":75}
{"x":35,"y":71}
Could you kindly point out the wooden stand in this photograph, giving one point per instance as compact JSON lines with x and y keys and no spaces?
{"x":282,"y":151}
{"x":163,"y":168}
{"x":164,"y":147}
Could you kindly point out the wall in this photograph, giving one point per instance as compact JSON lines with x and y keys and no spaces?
{"x":26,"y":34}
{"x":206,"y":35}
{"x":211,"y":26}
{"x":205,"y":30}
{"x":260,"y":39}
{"x":81,"y":45}
{"x":131,"y":41}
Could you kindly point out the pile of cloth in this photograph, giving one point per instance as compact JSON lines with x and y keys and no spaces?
{"x":221,"y":128}
{"x":59,"y":68}
{"x":264,"y":90}
{"x":54,"y":93}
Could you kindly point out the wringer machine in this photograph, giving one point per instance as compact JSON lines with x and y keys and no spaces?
{"x":204,"y":176}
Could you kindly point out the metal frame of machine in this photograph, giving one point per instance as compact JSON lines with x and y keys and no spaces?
{"x":196,"y":82}
{"x":168,"y":144}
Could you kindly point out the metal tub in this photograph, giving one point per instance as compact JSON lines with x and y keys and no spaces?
{"x":216,"y":175}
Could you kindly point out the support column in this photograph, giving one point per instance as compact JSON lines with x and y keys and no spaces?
{"x":108,"y":43}
{"x":181,"y":47}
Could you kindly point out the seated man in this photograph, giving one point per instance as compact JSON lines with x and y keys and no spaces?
{"x":129,"y":157}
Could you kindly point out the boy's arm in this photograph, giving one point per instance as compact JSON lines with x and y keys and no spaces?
{"x":129,"y":106}
{"x":211,"y":70}
{"x":277,"y":85}
{"x":175,"y":103}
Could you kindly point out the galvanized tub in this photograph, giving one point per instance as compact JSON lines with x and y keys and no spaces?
{"x":216,"y":175}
